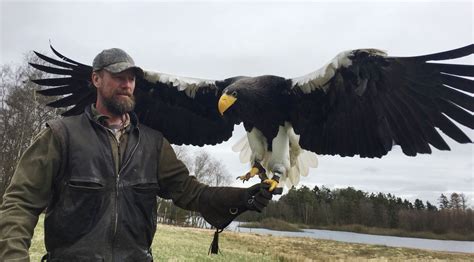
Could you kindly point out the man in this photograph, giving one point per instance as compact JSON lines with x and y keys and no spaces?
{"x":99,"y":173}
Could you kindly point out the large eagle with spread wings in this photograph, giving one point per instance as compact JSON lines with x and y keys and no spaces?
{"x":363,"y":102}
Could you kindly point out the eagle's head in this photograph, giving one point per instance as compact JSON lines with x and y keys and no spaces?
{"x":250,"y":93}
{"x":228,"y":98}
{"x":237,"y":95}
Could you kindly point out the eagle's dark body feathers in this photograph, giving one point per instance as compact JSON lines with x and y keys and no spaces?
{"x":262,"y":102}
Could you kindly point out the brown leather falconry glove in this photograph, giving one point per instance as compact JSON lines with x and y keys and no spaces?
{"x":257,"y":197}
{"x":220,"y":205}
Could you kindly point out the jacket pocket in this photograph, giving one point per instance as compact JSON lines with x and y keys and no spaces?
{"x":140,"y":201}
{"x":146,"y":188}
{"x":85,"y":186}
{"x":81,"y":206}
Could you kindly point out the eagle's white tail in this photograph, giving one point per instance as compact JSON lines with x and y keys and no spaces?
{"x":304,"y":161}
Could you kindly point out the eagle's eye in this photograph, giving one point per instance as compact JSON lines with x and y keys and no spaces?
{"x":234,"y":94}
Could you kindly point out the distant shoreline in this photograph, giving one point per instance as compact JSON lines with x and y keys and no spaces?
{"x":280,"y":225}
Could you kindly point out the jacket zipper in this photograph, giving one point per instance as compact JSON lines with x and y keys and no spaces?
{"x":117,"y":180}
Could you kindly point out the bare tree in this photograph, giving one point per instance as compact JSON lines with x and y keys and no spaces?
{"x":455,"y":201}
{"x":209,"y":170}
{"x":22,"y":115}
{"x":203,"y":166}
{"x":182,"y":153}
{"x":463,"y":201}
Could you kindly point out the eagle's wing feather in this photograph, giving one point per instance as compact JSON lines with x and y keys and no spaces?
{"x":363,"y":102}
{"x":183,"y":109}
{"x":74,"y":81}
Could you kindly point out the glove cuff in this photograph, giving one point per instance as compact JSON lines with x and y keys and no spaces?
{"x":221,"y":205}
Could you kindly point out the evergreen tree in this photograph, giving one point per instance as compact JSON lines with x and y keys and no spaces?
{"x":443,"y":202}
{"x":455,"y":201}
{"x":419,"y":204}
{"x":430,"y":207}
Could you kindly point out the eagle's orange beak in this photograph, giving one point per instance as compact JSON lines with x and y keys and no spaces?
{"x":225,"y":102}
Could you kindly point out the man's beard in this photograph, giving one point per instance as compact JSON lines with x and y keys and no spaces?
{"x":119,"y":107}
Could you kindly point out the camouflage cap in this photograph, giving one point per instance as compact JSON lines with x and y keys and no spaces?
{"x":115,"y":60}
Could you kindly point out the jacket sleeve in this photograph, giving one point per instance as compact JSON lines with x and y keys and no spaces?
{"x":218,"y":205}
{"x":27,"y":196}
{"x":175,"y":182}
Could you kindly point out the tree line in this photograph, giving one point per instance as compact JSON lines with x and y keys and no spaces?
{"x":324,"y":207}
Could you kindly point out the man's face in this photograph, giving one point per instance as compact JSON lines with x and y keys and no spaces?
{"x":115,"y":91}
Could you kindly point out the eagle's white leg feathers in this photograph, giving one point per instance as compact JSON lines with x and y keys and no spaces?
{"x":258,"y":145}
{"x":242,"y":147}
{"x":300,"y":159}
{"x":280,"y":160}
{"x":288,"y":158}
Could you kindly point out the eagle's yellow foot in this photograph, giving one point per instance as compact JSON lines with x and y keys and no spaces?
{"x":249,"y":174}
{"x":273,"y":184}
{"x":257,"y":169}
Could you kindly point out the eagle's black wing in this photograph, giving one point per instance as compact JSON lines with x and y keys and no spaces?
{"x":364,"y":102}
{"x":183,"y":109}
{"x":74,"y":80}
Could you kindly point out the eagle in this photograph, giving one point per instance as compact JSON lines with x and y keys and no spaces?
{"x":363,"y":102}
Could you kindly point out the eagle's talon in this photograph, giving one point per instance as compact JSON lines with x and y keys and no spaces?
{"x":273,"y":184}
{"x":257,"y":169}
{"x":244,"y":178}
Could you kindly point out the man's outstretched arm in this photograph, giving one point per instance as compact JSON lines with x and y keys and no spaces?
{"x":218,"y":205}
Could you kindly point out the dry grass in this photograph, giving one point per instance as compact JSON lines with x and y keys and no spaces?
{"x":190,"y":244}
{"x":273,"y":224}
{"x":308,"y":249}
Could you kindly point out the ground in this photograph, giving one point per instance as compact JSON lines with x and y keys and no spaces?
{"x":190,"y":244}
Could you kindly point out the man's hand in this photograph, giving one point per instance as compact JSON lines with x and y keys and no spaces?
{"x":257,"y":197}
{"x":220,"y":205}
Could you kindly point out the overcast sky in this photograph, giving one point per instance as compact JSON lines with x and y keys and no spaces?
{"x":219,"y":40}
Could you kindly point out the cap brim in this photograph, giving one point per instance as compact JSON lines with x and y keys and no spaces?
{"x":122,"y":66}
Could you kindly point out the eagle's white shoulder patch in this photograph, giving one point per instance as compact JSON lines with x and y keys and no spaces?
{"x":187,"y":84}
{"x":319,"y":78}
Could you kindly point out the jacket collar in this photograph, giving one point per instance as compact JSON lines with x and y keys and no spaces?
{"x":93,"y":115}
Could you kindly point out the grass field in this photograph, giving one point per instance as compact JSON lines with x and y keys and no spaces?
{"x":273,"y":224}
{"x":191,"y":244}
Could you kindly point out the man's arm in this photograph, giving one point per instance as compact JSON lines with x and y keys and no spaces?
{"x":27,"y":196}
{"x":218,"y":205}
{"x":175,"y":181}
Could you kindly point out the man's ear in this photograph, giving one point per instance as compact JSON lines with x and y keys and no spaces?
{"x":96,"y":79}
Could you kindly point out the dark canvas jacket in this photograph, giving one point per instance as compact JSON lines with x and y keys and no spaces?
{"x":95,"y":209}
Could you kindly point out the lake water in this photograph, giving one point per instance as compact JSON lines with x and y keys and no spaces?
{"x":429,"y":244}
